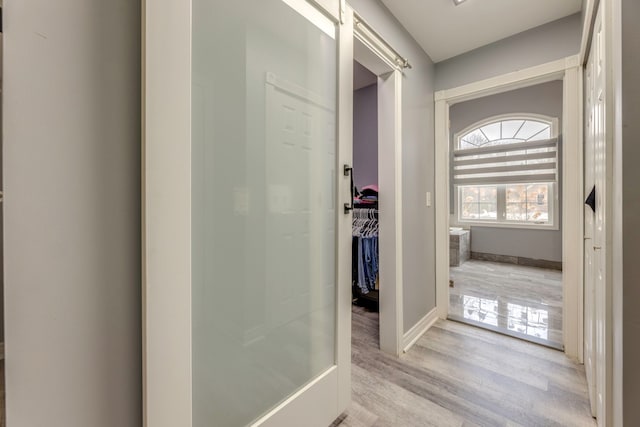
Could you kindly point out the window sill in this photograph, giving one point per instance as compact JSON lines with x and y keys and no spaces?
{"x":467,"y":224}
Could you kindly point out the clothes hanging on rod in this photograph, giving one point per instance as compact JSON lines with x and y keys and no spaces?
{"x":365,"y":249}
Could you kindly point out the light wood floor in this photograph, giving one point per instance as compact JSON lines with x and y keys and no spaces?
{"x":460,"y":375}
{"x":525,"y":302}
{"x":456,"y":375}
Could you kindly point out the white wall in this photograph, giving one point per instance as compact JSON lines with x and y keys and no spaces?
{"x":418,"y":165}
{"x":72,"y":213}
{"x":545,"y":99}
{"x":546,"y":43}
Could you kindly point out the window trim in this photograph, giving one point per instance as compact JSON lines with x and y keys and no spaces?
{"x":554,"y":210}
{"x":504,"y":117}
{"x":501,"y":209}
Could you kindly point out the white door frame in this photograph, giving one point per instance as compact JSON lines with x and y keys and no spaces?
{"x":590,"y":359}
{"x":568,"y":70}
{"x":375,"y":54}
{"x":345,"y":156}
{"x":608,"y":311}
{"x":166,"y":229}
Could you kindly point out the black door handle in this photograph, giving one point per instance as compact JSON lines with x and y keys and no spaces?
{"x":348,"y":171}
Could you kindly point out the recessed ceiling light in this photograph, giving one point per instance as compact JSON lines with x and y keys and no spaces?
{"x":457,"y":2}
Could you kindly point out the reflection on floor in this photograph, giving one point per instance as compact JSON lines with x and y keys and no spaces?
{"x":459,"y":375}
{"x":525,"y":302}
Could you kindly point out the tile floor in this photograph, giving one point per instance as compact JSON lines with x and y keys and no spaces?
{"x":524,"y":302}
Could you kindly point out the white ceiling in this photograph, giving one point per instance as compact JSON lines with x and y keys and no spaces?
{"x":445,"y":30}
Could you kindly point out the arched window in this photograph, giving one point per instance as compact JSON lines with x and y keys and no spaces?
{"x":506,"y":131}
{"x":505,"y":171}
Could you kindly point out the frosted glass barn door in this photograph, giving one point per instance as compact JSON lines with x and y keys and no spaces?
{"x":247,"y":257}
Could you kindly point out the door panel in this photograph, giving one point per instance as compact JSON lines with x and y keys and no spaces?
{"x":263,"y":211}
{"x":260,"y":215}
{"x":599,"y":236}
{"x":596,"y":292}
{"x":589,"y":221}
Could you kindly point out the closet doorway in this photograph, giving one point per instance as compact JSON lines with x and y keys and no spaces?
{"x":366,"y":283}
{"x":377,"y":163}
{"x":366,"y":224}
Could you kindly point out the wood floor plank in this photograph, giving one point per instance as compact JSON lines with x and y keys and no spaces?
{"x":458,"y":375}
{"x":508,"y":345}
{"x":477,"y":355}
{"x":399,"y":406}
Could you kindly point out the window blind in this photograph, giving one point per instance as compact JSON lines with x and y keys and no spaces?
{"x":523,"y":162}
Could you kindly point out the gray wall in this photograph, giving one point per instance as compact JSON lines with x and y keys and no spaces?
{"x":631,"y":209}
{"x":418,"y":153}
{"x":540,"y":99}
{"x":362,"y":77}
{"x":536,"y":46}
{"x":365,"y":136}
{"x":72,"y":213}
{"x":1,"y":210}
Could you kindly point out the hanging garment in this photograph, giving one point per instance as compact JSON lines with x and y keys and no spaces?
{"x":365,"y":249}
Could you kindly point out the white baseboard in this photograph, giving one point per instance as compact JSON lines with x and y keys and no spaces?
{"x":419,"y":329}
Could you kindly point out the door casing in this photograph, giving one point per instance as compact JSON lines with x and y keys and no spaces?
{"x":568,"y":70}
{"x":375,"y":54}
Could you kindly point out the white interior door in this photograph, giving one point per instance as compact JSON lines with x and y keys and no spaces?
{"x":589,"y":229}
{"x":247,"y":295}
{"x":599,"y":248}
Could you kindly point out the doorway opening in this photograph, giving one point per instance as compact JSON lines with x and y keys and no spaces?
{"x":472,"y":171}
{"x":505,"y":236}
{"x":366,"y":226}
{"x":377,"y":172}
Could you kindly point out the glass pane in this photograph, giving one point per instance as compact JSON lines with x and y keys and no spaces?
{"x":530,"y":128}
{"x":516,"y":208}
{"x":263,"y":225}
{"x":478,"y":203}
{"x":492,"y":131}
{"x":474,"y":139}
{"x":488,"y":211}
{"x":488,"y":194}
{"x":516,"y":193}
{"x":528,"y":203}
{"x":516,"y":211}
{"x":469,"y":194}
{"x":510,"y":127}
{"x":469,"y":211}
{"x":545,"y":134}
{"x":538,"y":203}
{"x":468,"y":202}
